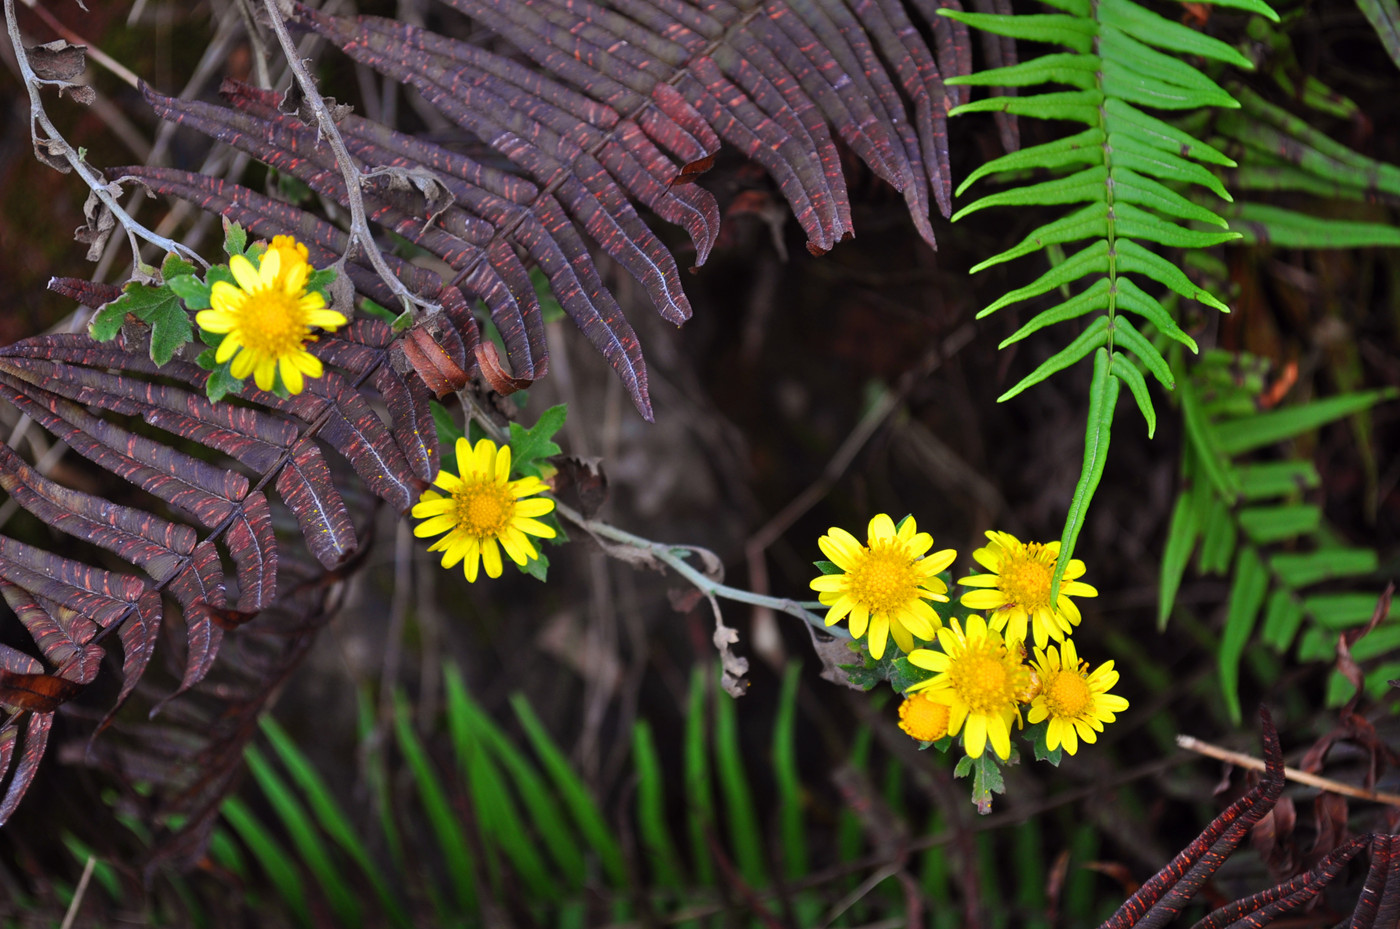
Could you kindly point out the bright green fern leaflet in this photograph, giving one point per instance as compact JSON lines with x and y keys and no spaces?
{"x":1128,"y":168}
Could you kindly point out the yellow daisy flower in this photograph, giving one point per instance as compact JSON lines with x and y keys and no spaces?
{"x":923,"y":719}
{"x":886,"y":584}
{"x":291,"y":251}
{"x":267,"y":318}
{"x":1018,"y":589}
{"x":481,"y":508}
{"x":979,"y":679}
{"x":1074,"y":699}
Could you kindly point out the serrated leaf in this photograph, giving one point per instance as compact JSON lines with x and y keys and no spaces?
{"x":158,"y":306}
{"x":986,"y":779}
{"x":1094,"y":336}
{"x":530,"y":445}
{"x":1128,"y":373}
{"x":1036,"y":734}
{"x":175,"y":266}
{"x":1103,"y":398}
{"x":190,"y":289}
{"x":537,"y":567}
{"x":235,"y":239}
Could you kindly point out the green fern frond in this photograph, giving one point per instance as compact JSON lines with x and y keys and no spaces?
{"x":1133,"y":171}
{"x":1236,"y":515}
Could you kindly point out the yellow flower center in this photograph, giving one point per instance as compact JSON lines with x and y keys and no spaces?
{"x":271,"y":322}
{"x":884,"y":579}
{"x":923,"y":719}
{"x":1025,"y":577}
{"x":982,"y":679}
{"x":1067,"y":694}
{"x":484,"y":508}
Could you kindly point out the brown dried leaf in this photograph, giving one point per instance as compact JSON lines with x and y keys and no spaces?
{"x":833,"y":653}
{"x":582,"y":484}
{"x":100,"y":223}
{"x":58,"y":60}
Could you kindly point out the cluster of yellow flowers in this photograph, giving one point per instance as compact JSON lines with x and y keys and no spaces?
{"x":982,"y":675}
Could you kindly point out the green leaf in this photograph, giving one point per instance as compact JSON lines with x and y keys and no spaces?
{"x":1095,"y":298}
{"x":1218,"y":539}
{"x":1263,"y":224}
{"x":1266,"y":479}
{"x":1282,"y":618}
{"x":1157,"y":30}
{"x":745,"y":843}
{"x":1088,"y":222}
{"x":699,"y":793}
{"x":1132,"y":258}
{"x":235,"y":239}
{"x":1142,"y":64}
{"x":1077,"y":70}
{"x":190,"y":289}
{"x":1182,"y":533}
{"x":1246,"y":599}
{"x":1093,"y":336}
{"x":1103,"y":397}
{"x":986,"y":778}
{"x":1126,"y":334}
{"x":1086,"y":185}
{"x":1131,"y":187}
{"x":1121,"y":82}
{"x":1036,"y":734}
{"x":1134,"y":223}
{"x":1252,"y":6}
{"x":1205,"y":439}
{"x":1082,"y":148}
{"x":1075,"y":32}
{"x":663,"y":861}
{"x":1344,"y":611}
{"x":158,"y":306}
{"x":1080,"y":106}
{"x":1265,"y":524}
{"x":280,"y":867}
{"x":1325,"y":564}
{"x":1251,"y":432}
{"x":1089,"y":259}
{"x":792,"y":815}
{"x":827,"y":567}
{"x":175,"y":266}
{"x":1134,"y":298}
{"x":1124,"y":118}
{"x":1127,"y":372}
{"x":1151,"y":161}
{"x":528,"y":446}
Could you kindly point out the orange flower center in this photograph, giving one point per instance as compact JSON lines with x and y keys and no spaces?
{"x":272,"y":323}
{"x":483,"y":508}
{"x":1025,"y":577}
{"x":884,"y":579}
{"x":923,"y":719}
{"x":1067,"y":694}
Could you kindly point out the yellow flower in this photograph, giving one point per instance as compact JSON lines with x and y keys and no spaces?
{"x":267,"y":318}
{"x":1018,"y":591}
{"x":923,"y":719}
{"x":481,"y":508}
{"x":885,"y":585}
{"x":290,"y":251}
{"x":978,"y":678}
{"x":1075,"y":700}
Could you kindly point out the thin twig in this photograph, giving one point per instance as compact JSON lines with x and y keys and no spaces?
{"x":1293,"y":774}
{"x":359,"y":226}
{"x":78,"y":894}
{"x":54,"y":140}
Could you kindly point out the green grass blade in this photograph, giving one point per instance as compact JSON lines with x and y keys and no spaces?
{"x":330,"y":816}
{"x":532,"y":787}
{"x":447,"y":826}
{"x":698,"y":792}
{"x":661,"y":855}
{"x":280,"y":868}
{"x":310,"y":844}
{"x":746,"y":843}
{"x":580,"y":805}
{"x":792,"y":817}
{"x":1103,"y":397}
